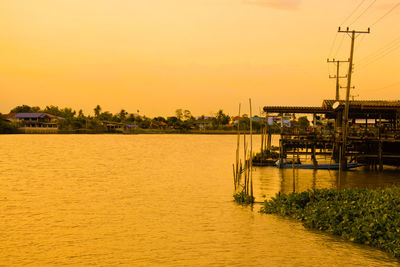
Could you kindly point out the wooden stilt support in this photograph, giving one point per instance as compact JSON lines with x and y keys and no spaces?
{"x":314,"y":158}
{"x":269,"y":141}
{"x":380,"y":161}
{"x":280,"y":153}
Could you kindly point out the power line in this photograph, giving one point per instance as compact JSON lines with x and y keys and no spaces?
{"x":361,"y":40}
{"x":382,"y":56}
{"x":383,"y":49}
{"x":340,"y":45}
{"x":385,"y":87}
{"x":381,"y":52}
{"x":351,"y":14}
{"x":333,"y":44}
{"x":387,"y":13}
{"x":379,"y":19}
{"x":362,"y":13}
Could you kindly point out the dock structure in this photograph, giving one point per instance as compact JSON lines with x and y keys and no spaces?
{"x":372,"y":133}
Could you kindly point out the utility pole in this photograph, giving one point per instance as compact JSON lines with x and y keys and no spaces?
{"x":346,"y":108}
{"x":337,"y":76}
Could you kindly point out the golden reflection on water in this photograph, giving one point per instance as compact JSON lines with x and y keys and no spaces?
{"x":143,"y":200}
{"x":300,"y":180}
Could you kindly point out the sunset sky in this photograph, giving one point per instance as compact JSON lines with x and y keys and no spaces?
{"x":203,"y":55}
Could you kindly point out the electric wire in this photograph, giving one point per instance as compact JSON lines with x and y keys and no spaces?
{"x":351,"y":14}
{"x":348,"y":17}
{"x":362,"y":13}
{"x":383,"y":88}
{"x":340,"y":45}
{"x":378,"y":58}
{"x":333,"y":44}
{"x":385,"y":50}
{"x":382,"y":49}
{"x":381,"y":52}
{"x":387,"y":13}
{"x":360,"y":41}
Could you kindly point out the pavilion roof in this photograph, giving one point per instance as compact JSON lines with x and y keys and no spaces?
{"x":365,"y":104}
{"x":297,"y":109}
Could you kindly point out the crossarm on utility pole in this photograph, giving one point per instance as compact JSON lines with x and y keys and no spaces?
{"x":337,"y":76}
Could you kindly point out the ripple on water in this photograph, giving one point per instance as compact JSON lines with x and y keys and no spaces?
{"x":154,"y":200}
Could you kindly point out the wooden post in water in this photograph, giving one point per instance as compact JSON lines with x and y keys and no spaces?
{"x":294,"y":173}
{"x":380,"y":160}
{"x":294,"y":154}
{"x":238,"y":171}
{"x":251,"y":150}
{"x":314,"y":157}
{"x":298,"y":155}
{"x":267,"y":130}
{"x":262,"y":140}
{"x":340,"y":167}
{"x":245,"y":161}
{"x":280,"y":153}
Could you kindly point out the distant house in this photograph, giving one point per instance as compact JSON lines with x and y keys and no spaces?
{"x":258,"y":119}
{"x":236,"y":119}
{"x":203,"y":122}
{"x":113,"y":126}
{"x":34,"y":120}
{"x":119,"y":127}
{"x":158,"y":125}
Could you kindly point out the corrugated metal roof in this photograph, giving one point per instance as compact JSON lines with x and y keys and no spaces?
{"x":27,"y":115}
{"x":364,"y":103}
{"x":286,"y":109}
{"x":30,"y":115}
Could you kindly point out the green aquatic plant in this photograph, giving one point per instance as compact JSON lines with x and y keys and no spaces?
{"x":243,"y":198}
{"x":267,"y":154}
{"x":364,"y":216}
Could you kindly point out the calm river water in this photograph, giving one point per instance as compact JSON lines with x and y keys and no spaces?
{"x":156,"y":200}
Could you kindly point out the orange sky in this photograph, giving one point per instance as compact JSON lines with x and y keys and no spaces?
{"x":203,"y":55}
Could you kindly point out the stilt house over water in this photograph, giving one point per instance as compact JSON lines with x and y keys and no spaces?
{"x":373,"y":134}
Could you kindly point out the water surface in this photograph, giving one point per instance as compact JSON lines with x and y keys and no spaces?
{"x":156,"y":200}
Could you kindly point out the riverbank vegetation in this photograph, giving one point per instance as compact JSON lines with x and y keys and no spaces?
{"x":6,"y":126}
{"x":364,"y":216}
{"x":182,"y":122}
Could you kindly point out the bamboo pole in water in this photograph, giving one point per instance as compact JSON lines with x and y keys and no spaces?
{"x":240,"y":173}
{"x":234,"y":175}
{"x":236,"y":181}
{"x":245,"y":161}
{"x":294,"y":171}
{"x":251,"y":148}
{"x":262,"y":139}
{"x":265,"y":138}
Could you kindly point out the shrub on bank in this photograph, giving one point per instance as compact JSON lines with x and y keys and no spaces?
{"x":364,"y":216}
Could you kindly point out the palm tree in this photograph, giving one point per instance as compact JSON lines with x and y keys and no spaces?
{"x":97,"y":111}
{"x":122,"y":115}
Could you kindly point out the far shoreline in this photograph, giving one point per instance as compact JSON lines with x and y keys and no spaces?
{"x":136,"y":132}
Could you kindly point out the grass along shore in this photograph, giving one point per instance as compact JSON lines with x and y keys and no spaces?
{"x":364,"y":216}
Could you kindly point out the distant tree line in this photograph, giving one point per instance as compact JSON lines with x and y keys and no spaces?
{"x":182,"y":121}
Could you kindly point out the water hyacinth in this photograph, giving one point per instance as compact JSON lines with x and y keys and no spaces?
{"x":243,"y":198}
{"x":364,"y":216}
